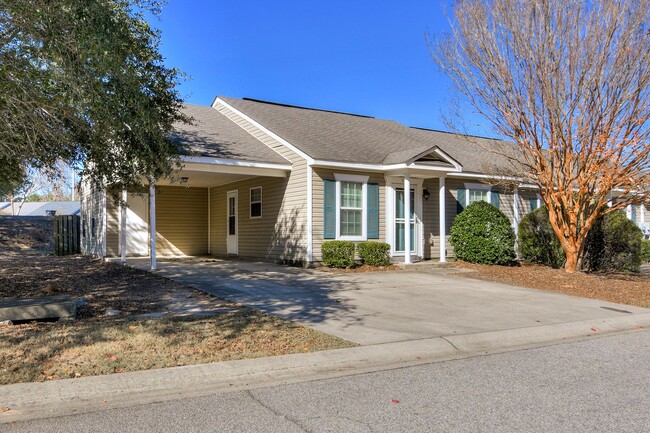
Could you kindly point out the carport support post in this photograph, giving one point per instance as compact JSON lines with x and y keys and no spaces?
{"x":443,"y":222}
{"x":152,"y":223}
{"x":123,"y":228}
{"x":407,"y":219}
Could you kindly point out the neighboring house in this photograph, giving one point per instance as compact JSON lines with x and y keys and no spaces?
{"x":41,"y":208}
{"x":271,"y":181}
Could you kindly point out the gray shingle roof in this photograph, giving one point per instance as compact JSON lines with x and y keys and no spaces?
{"x":341,"y":137}
{"x":331,"y":136}
{"x":214,"y":135}
{"x":476,"y":154}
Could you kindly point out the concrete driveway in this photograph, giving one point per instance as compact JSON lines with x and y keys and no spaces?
{"x":384,"y":307}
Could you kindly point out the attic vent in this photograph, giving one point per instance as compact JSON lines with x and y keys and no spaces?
{"x":431,"y":157}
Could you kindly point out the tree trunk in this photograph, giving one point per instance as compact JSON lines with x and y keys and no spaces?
{"x":571,"y":264}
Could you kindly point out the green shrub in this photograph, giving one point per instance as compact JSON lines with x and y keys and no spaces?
{"x":645,"y":250}
{"x":374,"y":253}
{"x":338,"y":254}
{"x":537,"y":240}
{"x":482,"y":234}
{"x":613,"y":244}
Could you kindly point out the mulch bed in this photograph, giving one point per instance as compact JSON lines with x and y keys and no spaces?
{"x":631,"y":289}
{"x":104,"y":285}
{"x":360,"y":268}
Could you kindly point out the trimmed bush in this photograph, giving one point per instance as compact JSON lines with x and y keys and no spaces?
{"x":374,"y":253}
{"x":338,"y":254}
{"x":613,"y":244}
{"x":537,"y":240}
{"x":482,"y":234}
{"x":645,"y":250}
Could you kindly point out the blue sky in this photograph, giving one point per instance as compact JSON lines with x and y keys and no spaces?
{"x":359,"y":56}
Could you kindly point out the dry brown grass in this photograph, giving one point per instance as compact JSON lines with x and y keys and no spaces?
{"x":49,"y":351}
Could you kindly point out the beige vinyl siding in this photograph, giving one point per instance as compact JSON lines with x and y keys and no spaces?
{"x":181,"y":221}
{"x":112,"y":227}
{"x":431,"y":217}
{"x":92,"y":207}
{"x":271,"y":237}
{"x":293,"y":209}
{"x":524,"y":201}
{"x":507,"y":203}
{"x":319,"y":175}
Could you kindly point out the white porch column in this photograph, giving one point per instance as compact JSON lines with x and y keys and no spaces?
{"x":443,"y":221}
{"x":407,"y":219}
{"x":152,"y":224}
{"x":123,"y":228}
{"x":515,"y":210}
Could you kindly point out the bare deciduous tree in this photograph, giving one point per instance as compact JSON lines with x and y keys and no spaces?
{"x":567,"y":81}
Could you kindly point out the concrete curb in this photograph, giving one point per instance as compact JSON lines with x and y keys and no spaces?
{"x":64,"y":397}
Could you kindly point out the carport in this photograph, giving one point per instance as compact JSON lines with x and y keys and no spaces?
{"x":174,"y":218}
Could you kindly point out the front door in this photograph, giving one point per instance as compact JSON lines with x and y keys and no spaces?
{"x":400,"y":221}
{"x":232,"y":222}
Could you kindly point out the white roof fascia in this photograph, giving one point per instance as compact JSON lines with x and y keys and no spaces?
{"x":234,"y":162}
{"x":380,"y":167}
{"x":523,"y":182}
{"x":219,"y":101}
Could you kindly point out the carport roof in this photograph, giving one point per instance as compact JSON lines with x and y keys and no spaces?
{"x":213,"y":135}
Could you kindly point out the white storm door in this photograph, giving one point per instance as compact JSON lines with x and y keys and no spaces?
{"x":232,"y":223}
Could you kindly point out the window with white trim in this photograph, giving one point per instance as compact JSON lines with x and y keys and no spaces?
{"x":256,"y":202}
{"x":352,"y":207}
{"x":475,"y":195}
{"x":351,"y":210}
{"x":477,"y":192}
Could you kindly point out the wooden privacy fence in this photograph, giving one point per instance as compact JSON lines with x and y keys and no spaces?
{"x":67,"y":239}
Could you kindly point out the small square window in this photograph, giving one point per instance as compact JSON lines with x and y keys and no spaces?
{"x":256,"y":202}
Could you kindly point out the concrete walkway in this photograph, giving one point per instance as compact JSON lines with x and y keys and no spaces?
{"x":385,"y":307}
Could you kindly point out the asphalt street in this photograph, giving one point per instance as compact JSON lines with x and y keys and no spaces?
{"x":597,"y":385}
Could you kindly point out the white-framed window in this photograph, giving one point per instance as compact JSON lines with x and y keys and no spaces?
{"x":478,"y":195}
{"x":256,"y":202}
{"x":351,"y":207}
{"x":477,"y":192}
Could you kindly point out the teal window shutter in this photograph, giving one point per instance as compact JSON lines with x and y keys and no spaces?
{"x":329,"y":211}
{"x":373,"y":211}
{"x":533,"y":203}
{"x":461,"y":200}
{"x":495,"y":199}
{"x":633,"y":214}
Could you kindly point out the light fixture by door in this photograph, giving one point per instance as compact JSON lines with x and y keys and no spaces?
{"x":426,"y":194}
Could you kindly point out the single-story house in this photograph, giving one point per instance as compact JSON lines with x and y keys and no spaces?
{"x":271,"y":181}
{"x":41,"y":208}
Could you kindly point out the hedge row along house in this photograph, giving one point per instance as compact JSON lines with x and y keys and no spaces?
{"x":270,"y":181}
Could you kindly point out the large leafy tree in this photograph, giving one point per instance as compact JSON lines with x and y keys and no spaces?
{"x":568,"y":82}
{"x":82,"y":81}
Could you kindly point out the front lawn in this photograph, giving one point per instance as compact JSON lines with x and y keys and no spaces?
{"x":132,"y":319}
{"x":47,"y":351}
